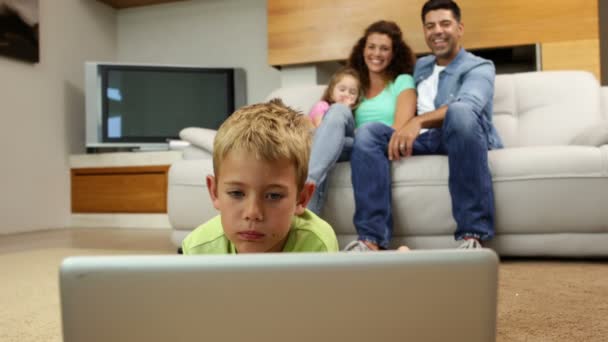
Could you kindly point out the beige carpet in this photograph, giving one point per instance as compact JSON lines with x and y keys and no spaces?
{"x":29,"y":293}
{"x":538,"y":300}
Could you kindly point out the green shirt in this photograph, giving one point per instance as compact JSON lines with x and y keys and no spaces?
{"x":308,"y":233}
{"x":381,"y":108}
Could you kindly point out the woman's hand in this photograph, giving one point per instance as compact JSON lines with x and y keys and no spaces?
{"x":402,"y":140}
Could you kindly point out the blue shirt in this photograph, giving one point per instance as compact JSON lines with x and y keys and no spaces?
{"x":468,"y":79}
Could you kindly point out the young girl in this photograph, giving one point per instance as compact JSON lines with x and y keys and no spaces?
{"x":344,"y":87}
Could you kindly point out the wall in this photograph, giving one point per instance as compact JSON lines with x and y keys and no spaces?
{"x":209,"y":33}
{"x":42,"y":113}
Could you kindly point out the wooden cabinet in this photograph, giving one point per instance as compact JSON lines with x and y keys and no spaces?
{"x":121,"y":183}
{"x":141,"y":189}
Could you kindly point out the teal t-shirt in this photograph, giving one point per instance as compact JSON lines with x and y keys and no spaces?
{"x":381,"y":108}
{"x":308,"y":233}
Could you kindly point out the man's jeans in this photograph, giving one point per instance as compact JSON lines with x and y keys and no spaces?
{"x":462,"y":139}
{"x":332,"y":142}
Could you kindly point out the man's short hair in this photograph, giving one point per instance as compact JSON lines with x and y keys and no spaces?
{"x":432,"y":5}
{"x":271,"y":131}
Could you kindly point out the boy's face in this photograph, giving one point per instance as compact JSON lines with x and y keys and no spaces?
{"x":257,"y":200}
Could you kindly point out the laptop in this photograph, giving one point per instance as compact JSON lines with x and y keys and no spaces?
{"x":433,"y":295}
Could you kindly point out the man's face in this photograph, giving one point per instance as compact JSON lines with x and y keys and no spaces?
{"x":257,"y":200}
{"x":442,"y":34}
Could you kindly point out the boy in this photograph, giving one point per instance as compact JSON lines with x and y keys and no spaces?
{"x":260,"y":162}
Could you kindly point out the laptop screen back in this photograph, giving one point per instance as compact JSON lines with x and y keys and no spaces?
{"x":388,"y":296}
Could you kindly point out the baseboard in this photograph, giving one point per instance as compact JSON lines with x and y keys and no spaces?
{"x":144,"y":221}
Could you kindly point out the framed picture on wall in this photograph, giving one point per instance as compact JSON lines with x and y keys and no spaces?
{"x":19,"y":25}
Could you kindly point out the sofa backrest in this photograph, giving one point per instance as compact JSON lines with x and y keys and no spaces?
{"x":535,"y":108}
{"x":299,"y":98}
{"x":604,"y":92}
{"x":545,"y":108}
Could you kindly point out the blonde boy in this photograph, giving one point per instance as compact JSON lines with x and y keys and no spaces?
{"x":260,"y":162}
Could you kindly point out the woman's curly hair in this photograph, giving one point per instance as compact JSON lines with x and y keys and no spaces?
{"x":403,"y":57}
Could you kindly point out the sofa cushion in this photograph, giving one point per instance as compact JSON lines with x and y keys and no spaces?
{"x":536,"y":108}
{"x":604,"y":107}
{"x":564,"y":184}
{"x":594,"y":135}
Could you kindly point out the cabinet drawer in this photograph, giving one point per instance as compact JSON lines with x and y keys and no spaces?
{"x":120,"y":189}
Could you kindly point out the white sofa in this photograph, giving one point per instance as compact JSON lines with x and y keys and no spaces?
{"x":550,"y":180}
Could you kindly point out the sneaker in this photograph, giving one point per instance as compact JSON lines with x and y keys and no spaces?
{"x":470,"y":244}
{"x":357,"y":246}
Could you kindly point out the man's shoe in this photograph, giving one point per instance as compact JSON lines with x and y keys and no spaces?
{"x":470,"y":244}
{"x":357,"y":246}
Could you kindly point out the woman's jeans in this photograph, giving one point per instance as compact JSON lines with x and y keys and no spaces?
{"x":332,"y":142}
{"x":462,"y":138}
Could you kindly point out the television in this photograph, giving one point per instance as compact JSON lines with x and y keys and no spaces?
{"x":144,"y":106}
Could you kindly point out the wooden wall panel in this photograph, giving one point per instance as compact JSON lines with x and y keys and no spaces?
{"x":603,"y":23}
{"x":572,"y":55}
{"x":307,"y":31}
{"x":120,"y":189}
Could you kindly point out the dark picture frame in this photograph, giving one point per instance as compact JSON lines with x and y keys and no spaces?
{"x":19,"y":30}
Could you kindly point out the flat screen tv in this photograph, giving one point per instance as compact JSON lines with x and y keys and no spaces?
{"x":139,"y":106}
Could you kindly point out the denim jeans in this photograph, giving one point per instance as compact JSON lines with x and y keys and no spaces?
{"x":332,"y":143}
{"x":462,"y":138}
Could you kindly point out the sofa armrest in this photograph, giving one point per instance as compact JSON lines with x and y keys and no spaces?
{"x":201,"y":138}
{"x":195,"y":153}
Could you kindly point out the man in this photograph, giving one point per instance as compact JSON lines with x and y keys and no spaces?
{"x":455,"y":91}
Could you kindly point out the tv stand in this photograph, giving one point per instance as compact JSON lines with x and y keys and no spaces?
{"x":94,"y":150}
{"x":121,"y":189}
{"x":113,"y":148}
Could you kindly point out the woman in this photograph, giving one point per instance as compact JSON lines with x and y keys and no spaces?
{"x":385,"y":64}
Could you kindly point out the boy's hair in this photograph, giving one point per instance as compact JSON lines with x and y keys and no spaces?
{"x":432,"y":5}
{"x":271,"y":131}
{"x":337,"y":77}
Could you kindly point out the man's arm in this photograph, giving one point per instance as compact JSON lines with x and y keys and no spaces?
{"x":477,"y":88}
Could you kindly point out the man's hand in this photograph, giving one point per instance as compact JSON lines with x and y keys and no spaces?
{"x":402,"y":140}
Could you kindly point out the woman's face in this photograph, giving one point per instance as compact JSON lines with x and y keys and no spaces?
{"x":378,"y":52}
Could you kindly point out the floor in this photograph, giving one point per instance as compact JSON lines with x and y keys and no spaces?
{"x":95,"y":238}
{"x":539,"y":300}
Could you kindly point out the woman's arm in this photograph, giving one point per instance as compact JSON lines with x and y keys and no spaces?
{"x":404,"y":112}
